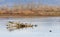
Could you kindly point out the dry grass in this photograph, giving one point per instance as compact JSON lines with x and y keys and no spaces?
{"x":30,"y":11}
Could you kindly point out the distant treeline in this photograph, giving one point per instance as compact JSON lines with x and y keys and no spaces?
{"x":31,"y":10}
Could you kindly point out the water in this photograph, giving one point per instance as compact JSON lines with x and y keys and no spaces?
{"x":45,"y":25}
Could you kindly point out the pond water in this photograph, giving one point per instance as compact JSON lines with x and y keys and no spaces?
{"x":46,"y":27}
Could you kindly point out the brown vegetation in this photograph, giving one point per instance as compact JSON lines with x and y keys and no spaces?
{"x":30,"y":11}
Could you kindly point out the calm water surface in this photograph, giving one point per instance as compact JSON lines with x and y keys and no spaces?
{"x":45,"y":25}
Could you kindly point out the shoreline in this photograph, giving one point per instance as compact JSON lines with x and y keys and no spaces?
{"x":25,"y":16}
{"x":10,"y":16}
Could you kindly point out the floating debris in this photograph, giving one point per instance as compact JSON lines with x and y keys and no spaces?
{"x":50,"y":31}
{"x":14,"y":25}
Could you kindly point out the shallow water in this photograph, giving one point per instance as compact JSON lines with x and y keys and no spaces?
{"x":45,"y":24}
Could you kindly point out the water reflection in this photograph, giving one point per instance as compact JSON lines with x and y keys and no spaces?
{"x":44,"y":24}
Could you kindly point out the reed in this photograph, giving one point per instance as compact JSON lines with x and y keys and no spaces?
{"x":31,"y":10}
